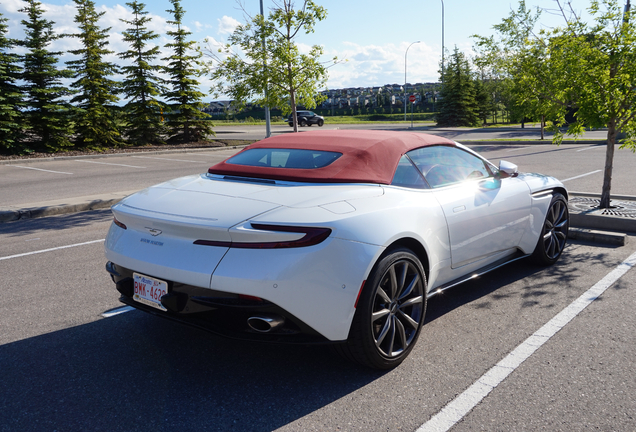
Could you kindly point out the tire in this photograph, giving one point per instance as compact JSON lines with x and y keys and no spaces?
{"x":554,"y":232}
{"x":390,"y":312}
{"x":290,"y":124}
{"x":320,"y":123}
{"x":303,"y":122}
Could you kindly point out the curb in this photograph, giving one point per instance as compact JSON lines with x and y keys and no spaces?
{"x":107,"y":155}
{"x":59,"y":207}
{"x":593,"y":236}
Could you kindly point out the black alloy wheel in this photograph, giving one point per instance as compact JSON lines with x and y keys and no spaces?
{"x":390,"y":312}
{"x":554,"y":233}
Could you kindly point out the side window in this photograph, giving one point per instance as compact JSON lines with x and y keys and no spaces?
{"x":444,"y":165}
{"x":407,"y":175}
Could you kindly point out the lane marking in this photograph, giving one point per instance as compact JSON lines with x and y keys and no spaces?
{"x":118,"y":311}
{"x":167,"y":159}
{"x":40,"y":169}
{"x":50,"y":250}
{"x":582,"y":175}
{"x":591,"y":147}
{"x":106,"y":163}
{"x":459,"y":407}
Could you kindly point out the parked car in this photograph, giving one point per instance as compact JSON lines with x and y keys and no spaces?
{"x":307,"y":118}
{"x":330,"y":236}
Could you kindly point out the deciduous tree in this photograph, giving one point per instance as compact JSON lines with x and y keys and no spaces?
{"x":583,"y":67}
{"x":262,"y":62}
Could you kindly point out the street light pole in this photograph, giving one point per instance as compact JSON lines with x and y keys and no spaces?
{"x":442,"y":42}
{"x":407,"y":51}
{"x":268,"y":127}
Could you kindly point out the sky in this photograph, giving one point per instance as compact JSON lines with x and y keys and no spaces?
{"x":370,"y":38}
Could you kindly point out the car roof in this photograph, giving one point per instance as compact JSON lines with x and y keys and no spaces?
{"x":367,"y":156}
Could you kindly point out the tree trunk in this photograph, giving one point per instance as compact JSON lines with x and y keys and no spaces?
{"x":292,"y":100}
{"x":609,"y":159}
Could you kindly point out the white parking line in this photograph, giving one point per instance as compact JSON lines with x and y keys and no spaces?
{"x":455,"y":410}
{"x":50,"y":250}
{"x":591,"y":147}
{"x":40,"y":169}
{"x":118,"y":311}
{"x":167,"y":159}
{"x":106,"y":163}
{"x":582,"y":175}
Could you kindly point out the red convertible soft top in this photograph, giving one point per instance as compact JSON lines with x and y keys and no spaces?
{"x":367,"y":156}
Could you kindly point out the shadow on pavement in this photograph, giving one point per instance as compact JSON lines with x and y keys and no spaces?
{"x":136,"y":372}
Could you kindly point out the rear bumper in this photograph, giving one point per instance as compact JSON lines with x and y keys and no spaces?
{"x":221,"y":313}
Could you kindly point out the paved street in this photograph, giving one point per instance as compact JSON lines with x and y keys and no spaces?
{"x":69,"y":364}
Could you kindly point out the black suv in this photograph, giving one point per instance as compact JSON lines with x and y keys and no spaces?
{"x":307,"y":118}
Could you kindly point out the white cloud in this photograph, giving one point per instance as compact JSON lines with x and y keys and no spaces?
{"x":375,"y":65}
{"x":227,"y":25}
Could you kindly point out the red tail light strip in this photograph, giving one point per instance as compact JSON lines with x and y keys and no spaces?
{"x":313,"y":236}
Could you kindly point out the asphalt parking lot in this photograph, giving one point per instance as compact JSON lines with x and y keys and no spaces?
{"x":496,"y":353}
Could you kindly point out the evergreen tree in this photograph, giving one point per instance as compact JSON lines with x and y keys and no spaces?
{"x":48,"y":115}
{"x":458,"y":105}
{"x":142,"y":85}
{"x":10,"y":95}
{"x":95,"y":116}
{"x":185,"y":120}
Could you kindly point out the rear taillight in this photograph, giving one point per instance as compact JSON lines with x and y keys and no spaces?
{"x":119,"y":224}
{"x":313,"y":236}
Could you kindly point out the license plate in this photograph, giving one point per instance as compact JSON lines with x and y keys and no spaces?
{"x":149,"y":290}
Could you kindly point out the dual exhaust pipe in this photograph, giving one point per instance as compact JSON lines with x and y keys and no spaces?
{"x":265,"y":323}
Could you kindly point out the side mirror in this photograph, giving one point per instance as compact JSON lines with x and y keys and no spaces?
{"x":508,"y":168}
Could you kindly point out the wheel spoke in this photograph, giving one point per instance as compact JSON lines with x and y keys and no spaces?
{"x":389,"y":350}
{"x":392,"y":282}
{"x":383,"y":332}
{"x":410,"y":321}
{"x":401,"y":334}
{"x":383,"y":295}
{"x":379,"y":314}
{"x":401,"y":281}
{"x":411,"y":302}
{"x":409,"y":288}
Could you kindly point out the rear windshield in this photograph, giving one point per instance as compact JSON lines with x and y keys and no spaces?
{"x":284,"y":158}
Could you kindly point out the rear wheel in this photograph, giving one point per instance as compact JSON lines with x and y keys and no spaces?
{"x":390,"y":312}
{"x":303,"y":122}
{"x":554,"y":233}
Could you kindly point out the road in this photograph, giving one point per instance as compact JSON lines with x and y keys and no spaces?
{"x":459,"y":134}
{"x":22,"y":183}
{"x":67,"y":367}
{"x":70,"y":365}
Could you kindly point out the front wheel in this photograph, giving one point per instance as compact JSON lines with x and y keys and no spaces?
{"x":320,"y":123}
{"x":390,"y":312}
{"x":554,"y":232}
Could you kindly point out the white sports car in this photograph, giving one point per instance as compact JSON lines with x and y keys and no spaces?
{"x":330,"y":236}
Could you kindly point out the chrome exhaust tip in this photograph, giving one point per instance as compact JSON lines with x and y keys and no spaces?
{"x":265,"y":323}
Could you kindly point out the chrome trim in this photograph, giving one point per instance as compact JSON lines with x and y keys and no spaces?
{"x":479,"y":272}
{"x":542,"y":193}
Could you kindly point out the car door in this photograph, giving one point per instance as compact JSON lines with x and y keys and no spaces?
{"x":486,"y":214}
